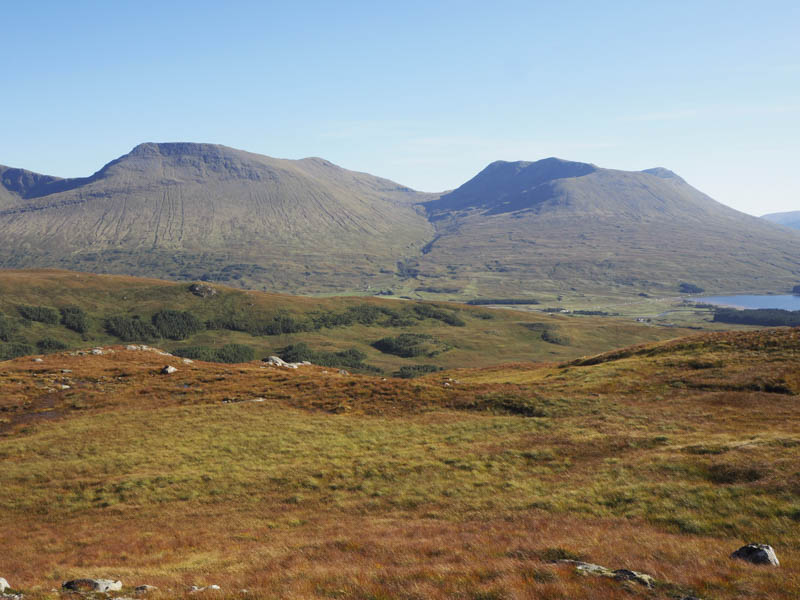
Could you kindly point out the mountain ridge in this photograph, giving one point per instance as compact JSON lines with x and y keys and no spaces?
{"x":184,"y":210}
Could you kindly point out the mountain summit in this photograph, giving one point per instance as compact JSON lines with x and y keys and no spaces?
{"x":204,"y":211}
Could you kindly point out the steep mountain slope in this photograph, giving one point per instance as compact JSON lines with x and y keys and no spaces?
{"x":787,"y":219}
{"x":559,"y":225}
{"x":185,"y":210}
{"x":546,"y":228}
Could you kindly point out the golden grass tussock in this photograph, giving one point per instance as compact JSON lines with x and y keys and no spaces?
{"x":662,"y":459}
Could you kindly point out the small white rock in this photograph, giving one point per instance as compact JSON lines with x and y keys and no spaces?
{"x":38,"y":360}
{"x":168,"y":370}
{"x":3,"y":585}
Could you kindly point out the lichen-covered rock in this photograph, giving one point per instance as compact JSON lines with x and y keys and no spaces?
{"x":145,"y":589}
{"x":3,"y":585}
{"x":758,"y":554}
{"x":640,"y":578}
{"x":92,"y":585}
{"x":168,"y":370}
{"x":585,"y":568}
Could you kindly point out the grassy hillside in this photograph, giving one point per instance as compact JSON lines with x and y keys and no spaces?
{"x":661,"y":458}
{"x":457,"y":335}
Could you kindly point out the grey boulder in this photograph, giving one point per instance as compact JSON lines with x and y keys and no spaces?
{"x":758,"y":554}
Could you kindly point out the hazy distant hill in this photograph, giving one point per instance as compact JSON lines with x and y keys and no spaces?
{"x":787,"y":219}
{"x":189,"y":210}
{"x":519,"y":226}
{"x":192,"y":211}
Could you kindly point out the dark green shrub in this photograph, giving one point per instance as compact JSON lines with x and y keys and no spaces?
{"x":352,"y":358}
{"x":7,"y":328}
{"x":689,"y":288}
{"x":205,"y":353}
{"x":429,"y":311}
{"x":235,"y":353}
{"x":131,"y":329}
{"x":411,"y":371}
{"x":49,"y":344}
{"x":406,"y":345}
{"x":248,"y":323}
{"x":229,"y":353}
{"x":42,"y":314}
{"x":75,"y":319}
{"x":175,"y":324}
{"x":9,"y":351}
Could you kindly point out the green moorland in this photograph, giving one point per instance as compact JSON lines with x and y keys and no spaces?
{"x":472,"y":483}
{"x":46,"y":311}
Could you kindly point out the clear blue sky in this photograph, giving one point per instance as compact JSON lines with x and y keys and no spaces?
{"x":425,"y":93}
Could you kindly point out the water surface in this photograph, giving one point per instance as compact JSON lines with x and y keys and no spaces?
{"x":784,"y":301}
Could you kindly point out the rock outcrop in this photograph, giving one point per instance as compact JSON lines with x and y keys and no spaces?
{"x":202,"y":289}
{"x":758,"y":554}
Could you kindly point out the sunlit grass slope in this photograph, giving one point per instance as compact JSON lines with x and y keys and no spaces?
{"x":661,"y":458}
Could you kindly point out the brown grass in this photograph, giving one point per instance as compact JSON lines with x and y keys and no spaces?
{"x":343,"y":486}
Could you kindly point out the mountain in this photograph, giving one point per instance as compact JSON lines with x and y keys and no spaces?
{"x":521,"y":227}
{"x":545,"y":228}
{"x":200,"y":210}
{"x":787,"y":219}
